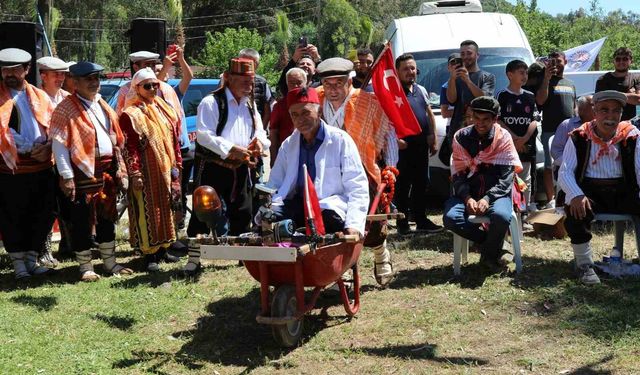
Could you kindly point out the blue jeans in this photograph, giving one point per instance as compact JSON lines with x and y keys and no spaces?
{"x":456,"y":220}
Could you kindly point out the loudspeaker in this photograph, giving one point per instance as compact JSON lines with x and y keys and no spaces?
{"x":28,"y":36}
{"x":148,"y":34}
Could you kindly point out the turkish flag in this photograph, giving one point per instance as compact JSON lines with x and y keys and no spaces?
{"x":312,"y":211}
{"x":391,"y":96}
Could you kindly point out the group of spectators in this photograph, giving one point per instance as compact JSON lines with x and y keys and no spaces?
{"x":501,"y":144}
{"x":327,"y":122}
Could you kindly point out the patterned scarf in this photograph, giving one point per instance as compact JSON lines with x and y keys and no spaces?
{"x":501,"y":152}
{"x":154,"y":122}
{"x":72,"y":127}
{"x":368,"y":125}
{"x":42,"y":108}
{"x":588,"y":129}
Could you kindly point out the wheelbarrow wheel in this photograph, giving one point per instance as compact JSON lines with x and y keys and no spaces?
{"x":284,"y":304}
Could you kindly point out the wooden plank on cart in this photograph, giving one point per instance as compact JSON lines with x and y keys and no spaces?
{"x":259,"y":253}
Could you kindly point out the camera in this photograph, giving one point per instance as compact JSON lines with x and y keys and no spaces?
{"x":303,"y":41}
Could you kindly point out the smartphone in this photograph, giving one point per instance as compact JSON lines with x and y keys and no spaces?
{"x":302,"y":42}
{"x":171,"y":49}
{"x":554,"y":62}
{"x":457,"y":62}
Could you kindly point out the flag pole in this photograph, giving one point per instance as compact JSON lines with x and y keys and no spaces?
{"x":307,"y":201}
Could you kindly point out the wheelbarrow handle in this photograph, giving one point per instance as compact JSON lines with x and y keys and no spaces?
{"x":351,"y":238}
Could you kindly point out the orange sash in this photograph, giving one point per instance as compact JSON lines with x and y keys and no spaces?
{"x":71,"y":126}
{"x":366,"y":122}
{"x":42,"y":108}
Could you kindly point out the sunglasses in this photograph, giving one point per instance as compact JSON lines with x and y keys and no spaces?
{"x":149,"y":86}
{"x":622,"y":58}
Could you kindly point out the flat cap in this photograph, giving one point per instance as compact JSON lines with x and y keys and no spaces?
{"x":10,"y":57}
{"x":334,"y":67}
{"x":52,"y":63}
{"x":143,"y":56}
{"x":610,"y":95}
{"x":84,"y":68}
{"x":485,"y":104}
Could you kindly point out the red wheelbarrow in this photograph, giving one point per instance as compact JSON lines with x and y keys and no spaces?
{"x":309,"y":262}
{"x":290,"y":270}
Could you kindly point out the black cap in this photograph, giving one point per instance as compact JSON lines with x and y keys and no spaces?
{"x":84,"y":68}
{"x":452,"y":56}
{"x":485,"y":104}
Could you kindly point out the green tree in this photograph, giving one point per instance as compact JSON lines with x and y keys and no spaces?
{"x":221,"y":47}
{"x":338,"y":28}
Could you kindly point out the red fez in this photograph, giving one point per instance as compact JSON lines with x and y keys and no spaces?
{"x":241,"y":66}
{"x":302,"y":95}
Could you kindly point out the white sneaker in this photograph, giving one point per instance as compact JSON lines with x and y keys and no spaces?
{"x":550,"y":204}
{"x":532,"y":207}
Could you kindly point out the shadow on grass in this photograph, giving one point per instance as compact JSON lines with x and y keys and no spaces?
{"x":149,"y":279}
{"x":440,"y":242}
{"x":589,"y":368}
{"x":472,"y":276}
{"x":229,"y":335}
{"x":425,"y":352}
{"x":44,"y":303}
{"x":122,"y":323}
{"x":61,"y":276}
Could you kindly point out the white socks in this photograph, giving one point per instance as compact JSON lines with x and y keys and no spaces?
{"x":582,"y":253}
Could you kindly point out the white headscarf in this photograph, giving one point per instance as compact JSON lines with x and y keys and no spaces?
{"x":143,"y":75}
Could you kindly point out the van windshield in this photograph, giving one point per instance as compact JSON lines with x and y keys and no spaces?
{"x":433,"y":67}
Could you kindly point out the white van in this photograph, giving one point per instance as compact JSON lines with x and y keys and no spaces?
{"x":585,"y":82}
{"x":436,"y":33}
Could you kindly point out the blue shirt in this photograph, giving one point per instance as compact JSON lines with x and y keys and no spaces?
{"x":443,"y":94}
{"x":418,"y":101}
{"x":308,"y":157}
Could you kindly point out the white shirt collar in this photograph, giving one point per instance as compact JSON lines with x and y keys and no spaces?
{"x":89,"y":102}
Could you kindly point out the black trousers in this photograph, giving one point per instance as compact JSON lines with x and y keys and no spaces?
{"x":412,"y":183}
{"x":294,"y":209}
{"x":77,"y":218}
{"x":233,"y":188}
{"x":187,"y":168}
{"x":615,"y":199}
{"x":27,"y":202}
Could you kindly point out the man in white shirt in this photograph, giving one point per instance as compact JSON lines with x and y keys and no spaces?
{"x":599,"y":173}
{"x":52,"y":73}
{"x":86,"y":144}
{"x":359,"y":114}
{"x":229,"y":139}
{"x":27,"y":179}
{"x":333,"y":164}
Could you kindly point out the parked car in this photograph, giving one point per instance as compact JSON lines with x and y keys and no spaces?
{"x":198,"y":89}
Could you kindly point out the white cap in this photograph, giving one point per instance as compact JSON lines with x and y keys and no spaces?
{"x":52,"y":63}
{"x":143,"y":56}
{"x":11,"y":57}
{"x":142,"y":75}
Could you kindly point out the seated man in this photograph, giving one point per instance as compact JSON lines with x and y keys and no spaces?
{"x":482,"y":170}
{"x":333,"y":163}
{"x":599,"y":173}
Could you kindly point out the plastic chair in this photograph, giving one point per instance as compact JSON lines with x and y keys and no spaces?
{"x":461,"y":244}
{"x":619,"y":221}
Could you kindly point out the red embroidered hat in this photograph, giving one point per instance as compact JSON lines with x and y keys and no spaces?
{"x":241,"y":66}
{"x":302,"y":95}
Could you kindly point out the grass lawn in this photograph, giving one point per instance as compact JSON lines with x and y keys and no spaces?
{"x":540,"y":321}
